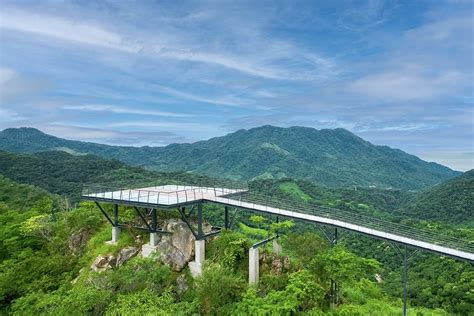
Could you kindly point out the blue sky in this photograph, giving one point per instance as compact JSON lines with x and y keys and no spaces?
{"x":397,"y":73}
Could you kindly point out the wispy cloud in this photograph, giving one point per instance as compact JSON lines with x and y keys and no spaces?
{"x":64,"y":29}
{"x":109,"y":136}
{"x":227,"y":100}
{"x":90,"y":33}
{"x":406,"y":85}
{"x":175,"y":126}
{"x":123,"y":110}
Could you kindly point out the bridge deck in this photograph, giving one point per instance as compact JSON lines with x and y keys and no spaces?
{"x":168,"y":196}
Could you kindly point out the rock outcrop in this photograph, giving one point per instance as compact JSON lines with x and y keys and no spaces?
{"x":126,"y":254}
{"x":77,"y":241}
{"x":177,"y":248}
{"x":103,"y":263}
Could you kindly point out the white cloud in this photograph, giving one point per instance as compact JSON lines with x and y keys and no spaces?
{"x":10,"y":116}
{"x":113,"y":137}
{"x":228,"y":100}
{"x":122,"y":110}
{"x":13,"y":85}
{"x":406,"y":84}
{"x":6,"y":75}
{"x":176,"y":126}
{"x":177,"y":45}
{"x":64,"y":29}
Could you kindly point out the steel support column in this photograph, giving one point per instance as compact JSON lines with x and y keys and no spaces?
{"x":116,"y":217}
{"x":154,"y":221}
{"x":226,"y":217}
{"x":200,"y":233}
{"x":405,"y":257}
{"x":334,"y":289}
{"x":405,"y":280}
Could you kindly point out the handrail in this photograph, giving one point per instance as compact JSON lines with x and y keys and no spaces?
{"x":257,"y":200}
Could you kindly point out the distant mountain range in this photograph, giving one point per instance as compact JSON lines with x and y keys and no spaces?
{"x":332,"y":157}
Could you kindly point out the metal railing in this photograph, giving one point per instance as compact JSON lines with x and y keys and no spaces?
{"x":257,"y":200}
{"x":183,"y":190}
{"x":160,"y":195}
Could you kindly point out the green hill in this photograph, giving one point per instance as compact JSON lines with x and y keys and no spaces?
{"x":22,"y":196}
{"x":451,"y":201}
{"x":330,"y":157}
{"x":62,"y":173}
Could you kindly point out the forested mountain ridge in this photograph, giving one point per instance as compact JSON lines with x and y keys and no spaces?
{"x":330,"y":157}
{"x":62,"y":173}
{"x":451,"y":201}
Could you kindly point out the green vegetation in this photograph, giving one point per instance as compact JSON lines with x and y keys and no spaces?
{"x":451,"y":201}
{"x":47,"y":248}
{"x":330,"y":157}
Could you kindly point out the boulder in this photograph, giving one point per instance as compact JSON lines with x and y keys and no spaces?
{"x":126,"y":254}
{"x":102,"y":263}
{"x":177,"y":249}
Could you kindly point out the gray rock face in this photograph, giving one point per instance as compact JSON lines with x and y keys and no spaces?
{"x":126,"y":254}
{"x":77,"y":241}
{"x":176,"y":249}
{"x":103,"y":263}
{"x":110,"y":261}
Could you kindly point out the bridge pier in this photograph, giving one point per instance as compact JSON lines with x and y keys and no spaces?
{"x":115,"y":234}
{"x":153,"y":239}
{"x":199,"y":256}
{"x":115,"y":226}
{"x":254,"y":257}
{"x":254,"y":265}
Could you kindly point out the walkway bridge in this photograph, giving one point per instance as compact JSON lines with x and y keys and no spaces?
{"x":182,"y":197}
{"x":177,"y":196}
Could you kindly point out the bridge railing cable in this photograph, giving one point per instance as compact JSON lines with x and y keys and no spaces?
{"x":358,"y":219}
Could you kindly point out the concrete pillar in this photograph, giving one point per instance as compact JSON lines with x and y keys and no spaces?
{"x":199,"y":256}
{"x":253,"y":265}
{"x":154,"y":238}
{"x":277,"y":249}
{"x":199,"y":251}
{"x":115,"y":234}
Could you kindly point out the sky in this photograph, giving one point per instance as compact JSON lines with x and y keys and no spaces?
{"x":396,"y":73}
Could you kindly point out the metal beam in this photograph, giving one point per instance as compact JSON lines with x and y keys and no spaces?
{"x":258,"y":244}
{"x":103,"y":212}
{"x":182,"y":212}
{"x":159,"y":231}
{"x":143,"y":219}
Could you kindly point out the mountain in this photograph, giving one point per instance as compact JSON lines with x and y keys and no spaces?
{"x":330,"y":157}
{"x":451,"y":201}
{"x":62,"y":173}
